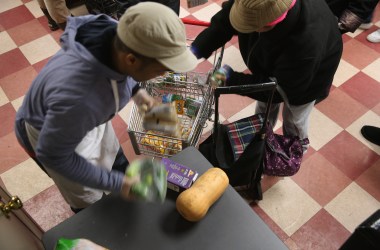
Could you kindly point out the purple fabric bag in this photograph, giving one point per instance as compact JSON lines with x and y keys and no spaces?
{"x":283,"y":154}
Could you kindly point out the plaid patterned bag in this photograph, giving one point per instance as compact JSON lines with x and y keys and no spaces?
{"x":242,"y":132}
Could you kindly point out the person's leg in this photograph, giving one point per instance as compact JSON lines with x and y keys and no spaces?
{"x":121,"y":162}
{"x":273,"y":113}
{"x":296,"y":120}
{"x":172,"y":4}
{"x":51,"y":23}
{"x":58,"y":11}
{"x":367,"y":23}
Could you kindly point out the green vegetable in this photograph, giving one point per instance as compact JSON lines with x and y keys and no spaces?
{"x":152,"y":185}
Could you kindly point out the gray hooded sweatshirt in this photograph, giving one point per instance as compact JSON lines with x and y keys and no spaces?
{"x":71,"y":95}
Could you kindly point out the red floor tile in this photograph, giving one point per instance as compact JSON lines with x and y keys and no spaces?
{"x":121,"y":129}
{"x":11,"y":153}
{"x":363,"y":38}
{"x":268,"y":181}
{"x":349,"y":155}
{"x":320,"y":179}
{"x":341,"y":108}
{"x":376,"y":109}
{"x":346,"y":38}
{"x":27,"y":32}
{"x":48,"y":208}
{"x":364,"y":89}
{"x":370,"y":180}
{"x":7,"y":117}
{"x":321,"y":232}
{"x":270,"y":223}
{"x":16,"y":84}
{"x":204,"y":67}
{"x":38,"y":66}
{"x":57,"y":36}
{"x":15,"y":17}
{"x":192,"y":31}
{"x":231,"y":104}
{"x":358,"y":54}
{"x":12,"y":61}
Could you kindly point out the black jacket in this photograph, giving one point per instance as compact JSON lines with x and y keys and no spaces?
{"x":302,"y":52}
{"x":361,"y":8}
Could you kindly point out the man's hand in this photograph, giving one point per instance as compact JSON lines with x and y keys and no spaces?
{"x":127,"y":185}
{"x":143,"y":100}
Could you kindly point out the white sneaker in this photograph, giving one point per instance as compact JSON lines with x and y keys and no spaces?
{"x":365,"y":26}
{"x":374,"y":37}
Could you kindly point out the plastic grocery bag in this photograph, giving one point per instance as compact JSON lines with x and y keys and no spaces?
{"x":152,"y":185}
{"x":77,"y":244}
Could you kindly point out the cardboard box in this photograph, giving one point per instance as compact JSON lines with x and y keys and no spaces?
{"x":179,"y":177}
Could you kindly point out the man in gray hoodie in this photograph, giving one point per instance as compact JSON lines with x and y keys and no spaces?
{"x":64,"y":121}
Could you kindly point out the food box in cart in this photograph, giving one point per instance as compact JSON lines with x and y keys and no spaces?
{"x":191,"y":95}
{"x":179,"y":177}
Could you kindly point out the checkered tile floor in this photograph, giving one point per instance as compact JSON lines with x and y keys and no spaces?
{"x":336,"y":189}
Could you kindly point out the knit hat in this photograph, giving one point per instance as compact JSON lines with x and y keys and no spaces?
{"x":154,"y":30}
{"x":247,"y":16}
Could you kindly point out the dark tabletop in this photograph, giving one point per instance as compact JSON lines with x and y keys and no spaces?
{"x":117,"y":224}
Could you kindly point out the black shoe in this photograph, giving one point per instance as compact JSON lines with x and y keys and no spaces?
{"x":53,"y":26}
{"x":371,"y":133}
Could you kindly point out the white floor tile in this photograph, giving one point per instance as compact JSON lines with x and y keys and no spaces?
{"x":7,"y":43}
{"x":9,"y":4}
{"x":345,"y":71}
{"x":288,"y":205}
{"x":373,"y":70}
{"x":26,"y":180}
{"x":352,"y":206}
{"x":183,"y":12}
{"x":321,"y":129}
{"x":232,"y":57}
{"x":40,"y":49}
{"x":17,"y":102}
{"x":34,"y":8}
{"x":207,"y":12}
{"x":3,"y":97}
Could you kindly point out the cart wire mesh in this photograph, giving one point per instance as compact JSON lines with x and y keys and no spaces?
{"x":189,"y":86}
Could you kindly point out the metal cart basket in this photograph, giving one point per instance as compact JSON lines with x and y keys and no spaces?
{"x":190,"y":86}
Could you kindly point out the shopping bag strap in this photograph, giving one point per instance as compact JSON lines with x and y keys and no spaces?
{"x":245,"y":89}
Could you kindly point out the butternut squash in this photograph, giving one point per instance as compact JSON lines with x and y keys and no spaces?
{"x":194,"y":202}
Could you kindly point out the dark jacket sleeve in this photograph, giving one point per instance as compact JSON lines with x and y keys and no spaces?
{"x":362,"y":8}
{"x":351,"y":13}
{"x":215,"y":36}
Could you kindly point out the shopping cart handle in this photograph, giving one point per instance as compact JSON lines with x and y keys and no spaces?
{"x":245,"y":89}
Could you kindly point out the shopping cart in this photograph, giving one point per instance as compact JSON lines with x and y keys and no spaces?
{"x":191,"y":86}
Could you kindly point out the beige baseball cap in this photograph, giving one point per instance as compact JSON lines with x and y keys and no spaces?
{"x":154,"y":30}
{"x":248,"y":16}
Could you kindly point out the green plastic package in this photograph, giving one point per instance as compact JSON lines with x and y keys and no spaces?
{"x":153,"y":182}
{"x":78,"y":244}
